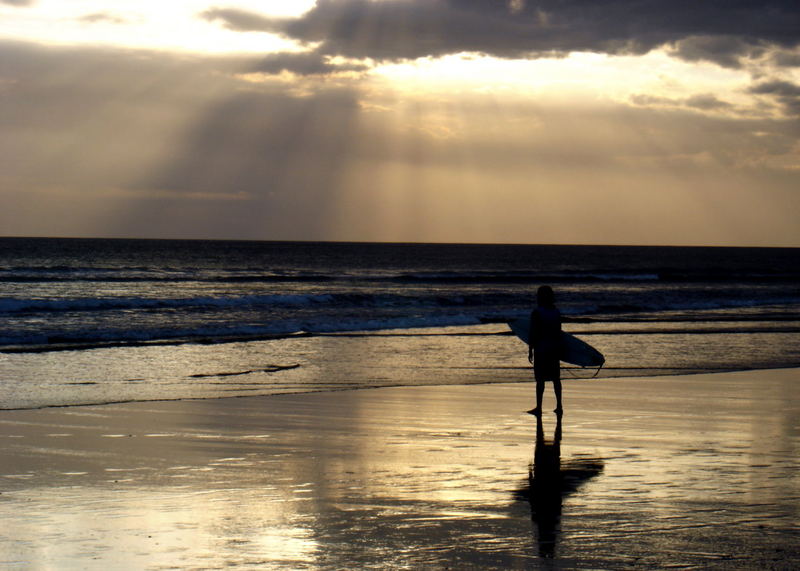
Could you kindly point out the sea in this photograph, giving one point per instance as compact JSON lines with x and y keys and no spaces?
{"x":93,"y":321}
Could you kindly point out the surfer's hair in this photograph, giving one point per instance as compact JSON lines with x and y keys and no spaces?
{"x":545,"y":296}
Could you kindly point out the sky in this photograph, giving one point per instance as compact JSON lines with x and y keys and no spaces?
{"x":494,"y":121}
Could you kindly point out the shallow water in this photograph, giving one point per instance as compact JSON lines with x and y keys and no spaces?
{"x":428,"y":356}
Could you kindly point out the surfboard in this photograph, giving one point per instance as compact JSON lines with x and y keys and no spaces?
{"x":573,"y":350}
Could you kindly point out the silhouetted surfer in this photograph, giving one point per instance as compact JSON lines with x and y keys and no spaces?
{"x":545,"y":346}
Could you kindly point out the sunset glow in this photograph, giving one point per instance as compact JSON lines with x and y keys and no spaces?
{"x":438,"y":121}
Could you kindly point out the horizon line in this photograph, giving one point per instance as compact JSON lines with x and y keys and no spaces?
{"x":399,"y":242}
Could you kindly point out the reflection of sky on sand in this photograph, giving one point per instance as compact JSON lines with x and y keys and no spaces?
{"x":697,"y":471}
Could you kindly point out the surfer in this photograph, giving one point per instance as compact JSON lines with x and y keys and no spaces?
{"x":544,"y":346}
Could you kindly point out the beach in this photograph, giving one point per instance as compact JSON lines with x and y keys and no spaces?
{"x":281,"y":283}
{"x":694,"y":471}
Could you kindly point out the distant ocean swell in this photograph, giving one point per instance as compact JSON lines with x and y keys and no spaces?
{"x":88,"y":339}
{"x":141,"y":274}
{"x":13,"y":305}
{"x":489,"y":302}
{"x":290,"y":315}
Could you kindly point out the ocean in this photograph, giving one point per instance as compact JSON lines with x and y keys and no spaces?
{"x":89,"y":321}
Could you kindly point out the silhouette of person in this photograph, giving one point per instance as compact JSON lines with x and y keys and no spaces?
{"x":545,"y":347}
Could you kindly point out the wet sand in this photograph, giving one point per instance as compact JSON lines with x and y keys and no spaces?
{"x":688,"y":472}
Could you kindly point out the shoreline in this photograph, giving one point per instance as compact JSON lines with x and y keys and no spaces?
{"x":641,"y":473}
{"x":669,"y":372}
{"x":302,"y":363}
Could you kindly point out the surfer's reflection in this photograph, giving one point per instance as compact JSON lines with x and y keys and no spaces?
{"x":549,"y":482}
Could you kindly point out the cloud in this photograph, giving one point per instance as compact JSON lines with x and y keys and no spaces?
{"x":305,"y":63}
{"x":700,"y":102}
{"x":785,"y":92}
{"x":722,"y":31}
{"x":102,"y":18}
{"x":724,"y":50}
{"x":133,"y":143}
{"x":786,"y":58}
{"x":17,"y":2}
{"x":706,"y":102}
{"x":313,"y":62}
{"x":241,"y":20}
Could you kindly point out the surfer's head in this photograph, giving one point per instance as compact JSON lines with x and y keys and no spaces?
{"x":545,"y":296}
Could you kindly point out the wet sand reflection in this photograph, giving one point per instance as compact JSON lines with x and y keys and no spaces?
{"x":550,"y":481}
{"x":693,"y":473}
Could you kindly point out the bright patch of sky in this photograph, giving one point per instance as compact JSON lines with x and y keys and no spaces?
{"x":168,"y":25}
{"x":602,"y":76}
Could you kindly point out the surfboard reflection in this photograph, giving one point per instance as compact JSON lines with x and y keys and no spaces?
{"x":550,"y":481}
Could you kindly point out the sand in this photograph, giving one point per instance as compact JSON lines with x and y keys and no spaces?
{"x":688,"y":472}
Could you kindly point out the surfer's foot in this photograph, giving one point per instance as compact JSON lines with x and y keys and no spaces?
{"x":559,"y":410}
{"x":535,"y":411}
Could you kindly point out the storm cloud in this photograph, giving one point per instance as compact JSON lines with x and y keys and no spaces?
{"x":722,"y":31}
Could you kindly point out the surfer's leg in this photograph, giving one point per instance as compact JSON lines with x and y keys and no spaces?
{"x":557,"y":390}
{"x":539,"y":394}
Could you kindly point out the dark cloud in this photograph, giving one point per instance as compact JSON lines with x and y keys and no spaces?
{"x":726,"y":51}
{"x":706,"y":102}
{"x":786,"y":59}
{"x":242,"y":20}
{"x":304,"y":63}
{"x":699,"y":102}
{"x":722,"y":31}
{"x":787,"y":94}
{"x":315,"y":62}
